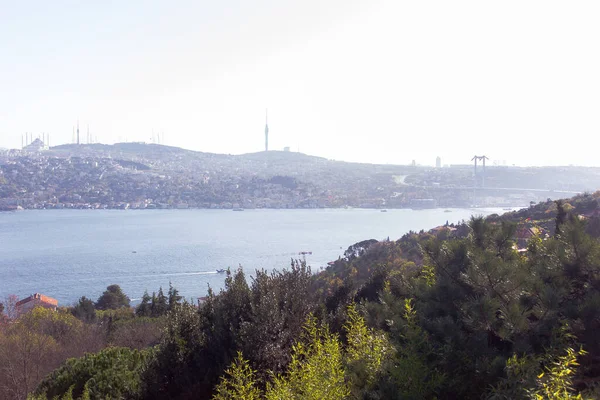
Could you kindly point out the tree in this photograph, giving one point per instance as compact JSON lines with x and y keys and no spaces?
{"x":561,"y":216}
{"x":24,"y":355}
{"x":358,"y":249}
{"x":239,"y":382}
{"x":178,"y":362}
{"x":201,"y":342}
{"x":367,"y":350}
{"x":85,"y":310}
{"x":546,"y":376}
{"x":280,"y":303}
{"x":3,"y":318}
{"x":113,"y":373}
{"x":161,"y":306}
{"x":10,"y":306}
{"x":316,"y":371}
{"x":33,"y":345}
{"x":173,"y":297}
{"x":136,"y":333}
{"x":112,"y":298}
{"x":144,"y":309}
{"x":556,"y":382}
{"x":320,"y":367}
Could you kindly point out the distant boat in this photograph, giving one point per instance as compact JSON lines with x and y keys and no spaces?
{"x":384,"y":210}
{"x":447,"y":210}
{"x":238,"y":209}
{"x":220,"y":271}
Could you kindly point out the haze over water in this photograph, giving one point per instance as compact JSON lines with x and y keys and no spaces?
{"x":67,"y":254}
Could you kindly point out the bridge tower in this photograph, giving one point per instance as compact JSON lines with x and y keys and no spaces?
{"x":482,"y":159}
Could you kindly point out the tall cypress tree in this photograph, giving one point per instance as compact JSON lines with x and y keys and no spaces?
{"x":144,"y":309}
{"x":174,"y":297}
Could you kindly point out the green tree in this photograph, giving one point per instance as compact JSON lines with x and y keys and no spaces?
{"x":144,"y":309}
{"x":239,"y":382}
{"x":85,"y":310}
{"x":555,"y":383}
{"x":112,"y":298}
{"x":279,"y":304}
{"x":561,"y":216}
{"x":158,"y":304}
{"x":263,"y":320}
{"x":546,"y":376}
{"x":180,"y":359}
{"x":316,"y":370}
{"x":367,"y":353}
{"x":113,"y":373}
{"x":173,"y":297}
{"x":320,"y":368}
{"x":67,"y":396}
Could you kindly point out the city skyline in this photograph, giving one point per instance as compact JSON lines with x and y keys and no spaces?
{"x":156,"y":138}
{"x":29,"y":138}
{"x":377,"y":82}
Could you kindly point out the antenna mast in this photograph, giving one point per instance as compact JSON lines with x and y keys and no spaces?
{"x":266,"y":130}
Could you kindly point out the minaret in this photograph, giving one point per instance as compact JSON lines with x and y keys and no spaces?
{"x":266,"y":131}
{"x":77,"y":131}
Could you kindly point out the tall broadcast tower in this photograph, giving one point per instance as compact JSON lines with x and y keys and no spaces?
{"x":266,"y":130}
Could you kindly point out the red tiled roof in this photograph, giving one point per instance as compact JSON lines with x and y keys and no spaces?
{"x":39,"y":298}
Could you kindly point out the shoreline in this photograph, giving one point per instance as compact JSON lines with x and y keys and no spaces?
{"x":450,"y":208}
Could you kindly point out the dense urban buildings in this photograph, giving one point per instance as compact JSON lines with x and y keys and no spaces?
{"x":146,"y":176}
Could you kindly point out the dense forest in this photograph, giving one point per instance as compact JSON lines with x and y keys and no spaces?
{"x":504,"y":307}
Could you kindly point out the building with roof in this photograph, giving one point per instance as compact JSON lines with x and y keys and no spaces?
{"x":36,"y":300}
{"x":36,"y":146}
{"x":524,"y":233}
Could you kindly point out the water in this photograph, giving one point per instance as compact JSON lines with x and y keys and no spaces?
{"x":67,"y":254}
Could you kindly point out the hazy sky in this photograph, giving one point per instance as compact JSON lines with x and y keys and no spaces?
{"x":369,"y":81}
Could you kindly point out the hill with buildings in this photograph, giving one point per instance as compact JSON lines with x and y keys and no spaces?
{"x":140,"y":175}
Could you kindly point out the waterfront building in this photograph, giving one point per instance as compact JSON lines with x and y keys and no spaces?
{"x":36,"y":300}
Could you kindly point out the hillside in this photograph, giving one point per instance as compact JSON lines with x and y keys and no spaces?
{"x":536,"y":220}
{"x":525,"y":283}
{"x":139,"y":175}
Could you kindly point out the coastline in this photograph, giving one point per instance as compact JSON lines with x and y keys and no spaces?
{"x":474,"y":207}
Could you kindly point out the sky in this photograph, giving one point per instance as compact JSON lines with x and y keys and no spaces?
{"x":367,"y":81}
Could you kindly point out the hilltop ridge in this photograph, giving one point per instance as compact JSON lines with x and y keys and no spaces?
{"x":140,"y":175}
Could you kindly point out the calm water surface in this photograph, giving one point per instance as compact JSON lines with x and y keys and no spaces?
{"x":67,"y":254}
